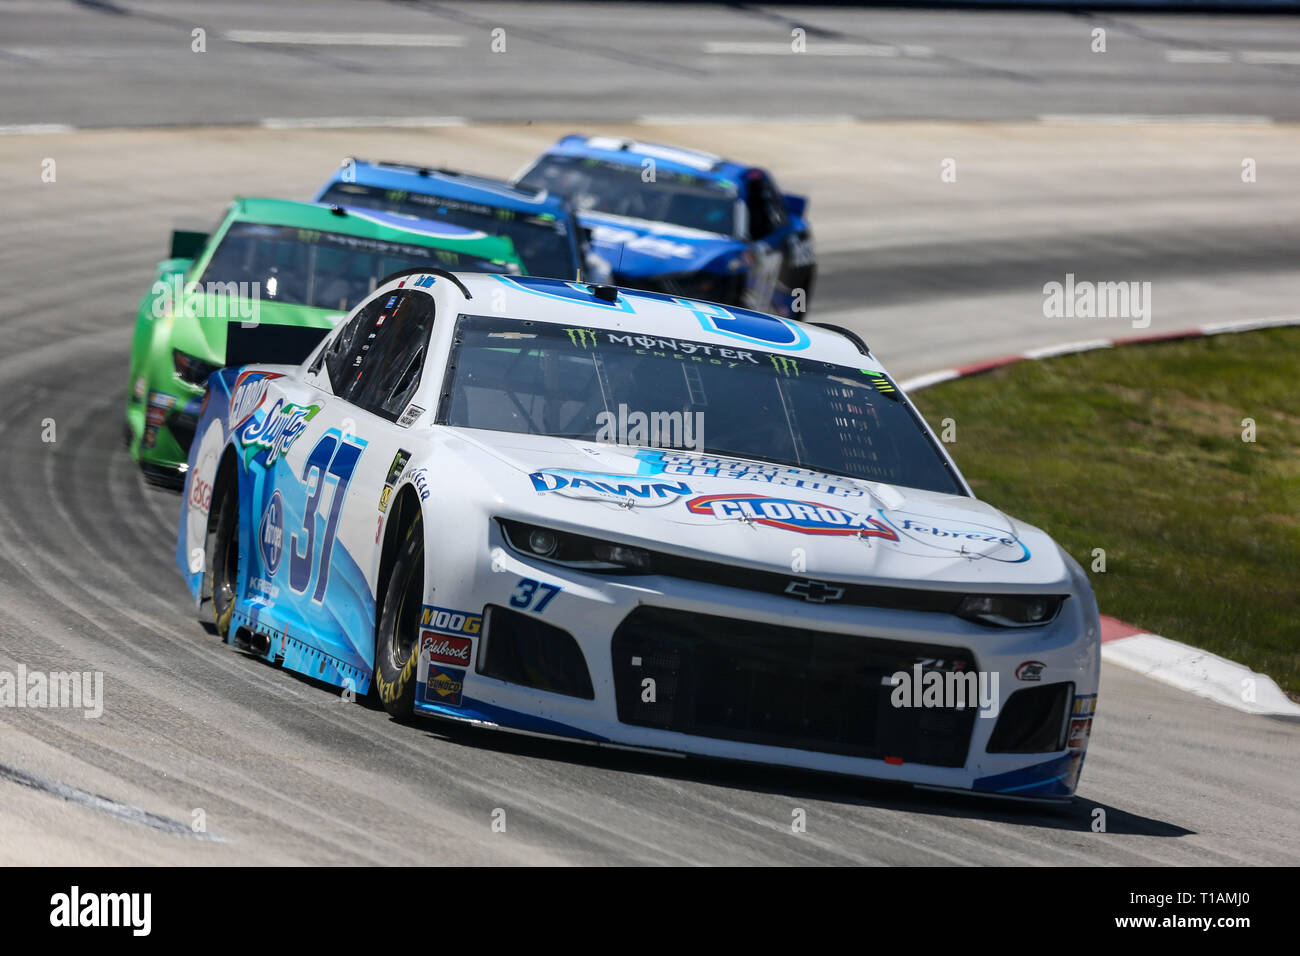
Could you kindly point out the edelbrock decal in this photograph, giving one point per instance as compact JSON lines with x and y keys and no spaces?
{"x":789,"y":514}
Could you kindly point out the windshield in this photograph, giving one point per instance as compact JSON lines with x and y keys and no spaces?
{"x":327,"y":270}
{"x":542,"y":241}
{"x":593,"y":185}
{"x":536,"y":378}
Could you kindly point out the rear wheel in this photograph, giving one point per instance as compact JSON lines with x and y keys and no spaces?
{"x":225,"y":557}
{"x":397,"y":637}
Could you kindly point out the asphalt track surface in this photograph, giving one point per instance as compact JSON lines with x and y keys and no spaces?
{"x":931,"y":272}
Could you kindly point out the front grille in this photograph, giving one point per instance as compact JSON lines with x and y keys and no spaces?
{"x":785,"y":687}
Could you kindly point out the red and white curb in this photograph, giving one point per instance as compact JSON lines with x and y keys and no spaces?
{"x":1170,"y":662}
{"x":1192,"y":669}
{"x":918,"y":382}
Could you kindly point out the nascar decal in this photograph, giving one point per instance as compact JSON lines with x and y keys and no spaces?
{"x":655,"y":462}
{"x":277,"y":430}
{"x":446,"y":650}
{"x":805,"y":517}
{"x":394,"y":472}
{"x":247,"y":395}
{"x":447,"y":621}
{"x":961,"y":537}
{"x":444,"y":685}
{"x":594,"y":486}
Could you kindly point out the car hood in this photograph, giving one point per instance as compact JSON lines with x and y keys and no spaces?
{"x":637,"y":248}
{"x":758,"y":514}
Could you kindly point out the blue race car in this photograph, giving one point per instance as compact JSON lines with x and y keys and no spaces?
{"x":684,"y":222}
{"x":541,"y":225}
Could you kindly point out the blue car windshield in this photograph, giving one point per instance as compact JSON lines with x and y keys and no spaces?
{"x":626,"y":189}
{"x":542,"y":241}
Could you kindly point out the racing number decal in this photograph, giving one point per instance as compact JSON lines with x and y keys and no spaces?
{"x":329,"y":457}
{"x":527,"y":589}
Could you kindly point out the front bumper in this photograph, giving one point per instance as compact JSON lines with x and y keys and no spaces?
{"x":757,"y":677}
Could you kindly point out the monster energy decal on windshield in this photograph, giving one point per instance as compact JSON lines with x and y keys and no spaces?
{"x":656,"y":347}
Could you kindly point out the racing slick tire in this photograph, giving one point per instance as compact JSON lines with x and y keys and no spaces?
{"x":397,"y":637}
{"x":225,"y":558}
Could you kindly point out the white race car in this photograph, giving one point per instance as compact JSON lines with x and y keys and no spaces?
{"x":635,"y":519}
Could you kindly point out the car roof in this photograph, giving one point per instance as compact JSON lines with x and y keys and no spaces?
{"x":650,"y":314}
{"x":632,"y":152}
{"x":371,"y":224}
{"x":450,"y":184}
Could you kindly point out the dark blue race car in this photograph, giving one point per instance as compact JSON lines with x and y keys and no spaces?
{"x":541,"y":225}
{"x":684,"y":222}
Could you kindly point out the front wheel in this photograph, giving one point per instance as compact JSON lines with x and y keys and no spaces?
{"x":396,"y":640}
{"x":225,"y":558}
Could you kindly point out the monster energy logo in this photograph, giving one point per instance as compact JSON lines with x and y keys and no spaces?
{"x":784,"y":365}
{"x":582,"y":338}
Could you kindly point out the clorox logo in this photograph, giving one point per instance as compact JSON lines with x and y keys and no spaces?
{"x":805,"y":517}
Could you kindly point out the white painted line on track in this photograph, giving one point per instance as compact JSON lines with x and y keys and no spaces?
{"x":297,"y":38}
{"x":689,"y":119}
{"x":1270,"y":57}
{"x":880,"y":50}
{"x":1198,"y":56}
{"x":360,"y":122}
{"x":1132,"y":119}
{"x":27,"y":129}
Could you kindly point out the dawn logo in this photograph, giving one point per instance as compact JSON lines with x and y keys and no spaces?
{"x":805,"y":517}
{"x":246,"y":397}
{"x":270,"y":534}
{"x":624,"y":489}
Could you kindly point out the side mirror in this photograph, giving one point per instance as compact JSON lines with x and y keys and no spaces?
{"x":187,"y":243}
{"x":795,"y":205}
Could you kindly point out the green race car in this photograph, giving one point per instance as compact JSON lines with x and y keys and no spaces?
{"x":267,"y":284}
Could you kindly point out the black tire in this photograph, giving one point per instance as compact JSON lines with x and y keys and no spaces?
{"x":397,"y":637}
{"x":225,"y":558}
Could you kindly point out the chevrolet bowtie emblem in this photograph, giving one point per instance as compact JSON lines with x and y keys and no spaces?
{"x":816,"y":592}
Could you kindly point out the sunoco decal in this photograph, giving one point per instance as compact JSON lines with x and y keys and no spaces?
{"x":805,"y":517}
{"x":444,"y":686}
{"x":594,"y":486}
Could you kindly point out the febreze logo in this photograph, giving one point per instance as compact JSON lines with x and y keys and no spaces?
{"x":277,"y":430}
{"x":246,"y":397}
{"x":594,"y":486}
{"x":789,"y":514}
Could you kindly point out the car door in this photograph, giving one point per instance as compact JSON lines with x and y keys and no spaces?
{"x":769,"y":236}
{"x":316,"y":528}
